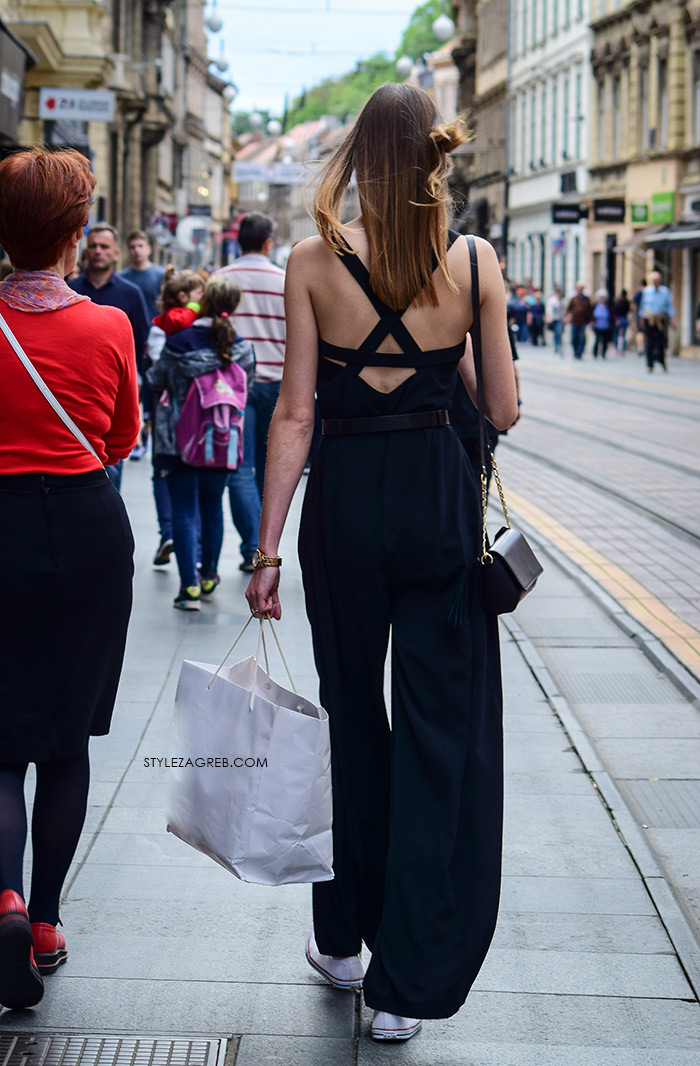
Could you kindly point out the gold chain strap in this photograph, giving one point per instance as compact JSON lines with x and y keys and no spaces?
{"x":486,"y":556}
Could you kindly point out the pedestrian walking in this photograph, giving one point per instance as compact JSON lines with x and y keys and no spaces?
{"x":180,"y":306}
{"x":638,"y":324}
{"x":579,"y":313}
{"x":141,"y":272}
{"x":260,"y":318}
{"x":104,"y":286}
{"x":657,"y":313}
{"x":621,"y":313}
{"x":554,"y":317}
{"x":210,"y":343}
{"x":602,"y":324}
{"x":535,"y":320}
{"x":378,"y":311}
{"x":67,"y":544}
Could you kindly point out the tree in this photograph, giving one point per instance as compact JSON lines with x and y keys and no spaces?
{"x":346,"y":95}
{"x":418,"y":37}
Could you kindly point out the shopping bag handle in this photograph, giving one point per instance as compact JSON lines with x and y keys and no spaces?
{"x":261,"y":640}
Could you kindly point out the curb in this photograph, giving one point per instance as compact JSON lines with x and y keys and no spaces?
{"x":653,"y":648}
{"x":657,"y":885}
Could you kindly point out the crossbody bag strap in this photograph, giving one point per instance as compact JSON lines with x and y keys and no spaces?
{"x":45,"y":390}
{"x":484,"y":443}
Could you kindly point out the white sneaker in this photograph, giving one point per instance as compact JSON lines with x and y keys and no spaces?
{"x":342,"y":973}
{"x":391,"y":1027}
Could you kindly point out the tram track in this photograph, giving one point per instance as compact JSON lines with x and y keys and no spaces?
{"x":617,"y":446}
{"x":608,"y":490}
{"x":608,"y":392}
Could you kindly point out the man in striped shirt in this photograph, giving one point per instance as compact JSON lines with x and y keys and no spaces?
{"x":259,"y":318}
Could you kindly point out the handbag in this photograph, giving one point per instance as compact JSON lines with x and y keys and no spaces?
{"x":251,"y":784}
{"x":46,"y":391}
{"x":509,"y":568}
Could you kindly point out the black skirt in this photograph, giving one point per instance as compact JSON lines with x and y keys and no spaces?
{"x":67,"y":563}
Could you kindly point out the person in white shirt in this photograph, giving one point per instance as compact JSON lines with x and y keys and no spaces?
{"x":260,"y":319}
{"x":554,"y":313}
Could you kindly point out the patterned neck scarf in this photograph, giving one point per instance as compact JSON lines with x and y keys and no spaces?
{"x":37,"y":290}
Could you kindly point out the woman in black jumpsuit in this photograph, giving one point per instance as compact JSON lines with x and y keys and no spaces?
{"x":388,"y":542}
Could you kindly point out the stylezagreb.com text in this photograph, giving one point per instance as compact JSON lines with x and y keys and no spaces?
{"x":220,"y":762}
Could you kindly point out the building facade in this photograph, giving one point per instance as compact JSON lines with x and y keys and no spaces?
{"x":645,"y":151}
{"x":547,"y":141}
{"x":162,"y":149}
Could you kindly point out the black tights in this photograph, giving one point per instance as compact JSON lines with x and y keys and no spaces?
{"x":60,"y":803}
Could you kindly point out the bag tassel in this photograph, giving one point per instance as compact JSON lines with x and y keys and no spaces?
{"x":456,"y":614}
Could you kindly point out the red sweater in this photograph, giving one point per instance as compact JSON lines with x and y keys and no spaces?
{"x":85,"y":354}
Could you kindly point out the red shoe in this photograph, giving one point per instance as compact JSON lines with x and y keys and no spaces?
{"x":20,"y":981}
{"x":49,"y":947}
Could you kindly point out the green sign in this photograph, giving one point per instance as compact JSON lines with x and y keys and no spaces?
{"x":639,"y":212}
{"x":663,"y":206}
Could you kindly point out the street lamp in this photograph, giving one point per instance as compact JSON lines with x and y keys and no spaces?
{"x":274,"y":128}
{"x":255,"y":121}
{"x":230,"y":93}
{"x":443,"y":27}
{"x":213,"y":22}
{"x":404,"y":66}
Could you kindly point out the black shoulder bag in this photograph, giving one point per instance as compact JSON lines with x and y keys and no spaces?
{"x":508,"y":566}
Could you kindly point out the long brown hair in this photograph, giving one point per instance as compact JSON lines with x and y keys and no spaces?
{"x":221,"y":298}
{"x":398,"y":150}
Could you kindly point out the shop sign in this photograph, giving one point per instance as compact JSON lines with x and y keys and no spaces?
{"x":199,"y":209}
{"x":608,"y":210}
{"x":566,"y":214}
{"x":80,"y":105}
{"x":639,"y":212}
{"x":663,"y":207}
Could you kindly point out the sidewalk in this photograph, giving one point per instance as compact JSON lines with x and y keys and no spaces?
{"x":164,"y":942}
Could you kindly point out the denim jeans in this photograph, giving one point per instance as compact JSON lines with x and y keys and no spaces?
{"x":188,"y":486}
{"x":578,"y":340}
{"x":557,"y":330}
{"x":262,"y":400}
{"x":161,"y":496}
{"x":115,"y":474}
{"x":620,"y":338}
{"x":243,"y":494}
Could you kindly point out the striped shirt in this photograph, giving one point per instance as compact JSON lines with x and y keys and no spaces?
{"x":259,"y":317}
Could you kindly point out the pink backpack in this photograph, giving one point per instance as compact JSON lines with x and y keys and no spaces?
{"x":209,"y":430}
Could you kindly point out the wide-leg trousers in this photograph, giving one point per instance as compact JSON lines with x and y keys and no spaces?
{"x":418,"y":804}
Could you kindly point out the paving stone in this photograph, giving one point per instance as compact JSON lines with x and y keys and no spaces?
{"x":295,"y":1051}
{"x":587,"y":895}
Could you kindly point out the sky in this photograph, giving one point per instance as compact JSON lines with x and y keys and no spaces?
{"x":278,"y":47}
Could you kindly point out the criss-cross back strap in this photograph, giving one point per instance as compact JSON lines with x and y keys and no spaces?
{"x":390,"y":321}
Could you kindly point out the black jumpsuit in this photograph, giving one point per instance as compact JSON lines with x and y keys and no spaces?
{"x":389,"y":538}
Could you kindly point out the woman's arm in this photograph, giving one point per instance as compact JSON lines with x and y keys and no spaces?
{"x":500,"y":394}
{"x":291,"y":429}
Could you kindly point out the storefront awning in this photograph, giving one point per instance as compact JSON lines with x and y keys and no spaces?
{"x":677,"y":235}
{"x":639,"y":238}
{"x":15,"y":58}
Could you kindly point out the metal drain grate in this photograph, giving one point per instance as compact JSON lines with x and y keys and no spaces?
{"x":64,"y":1049}
{"x":614,"y":688}
{"x":665,"y":804}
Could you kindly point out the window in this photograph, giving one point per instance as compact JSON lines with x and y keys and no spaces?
{"x":579,"y":117}
{"x":555,"y":119}
{"x":643,"y":110}
{"x":555,"y":17}
{"x":524,"y":28}
{"x":662,"y":105}
{"x":543,"y":126}
{"x":522,"y":132}
{"x":696,"y":98}
{"x":566,"y":13}
{"x":601,"y":121}
{"x":535,"y":12}
{"x":616,"y":118}
{"x":533,"y":127}
{"x":565,"y":118}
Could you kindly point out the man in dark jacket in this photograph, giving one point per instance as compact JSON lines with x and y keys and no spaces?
{"x":579,"y":313}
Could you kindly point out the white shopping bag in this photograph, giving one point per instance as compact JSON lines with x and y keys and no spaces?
{"x":252,"y":784}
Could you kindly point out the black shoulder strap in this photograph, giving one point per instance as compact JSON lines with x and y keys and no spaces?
{"x":476,"y":348}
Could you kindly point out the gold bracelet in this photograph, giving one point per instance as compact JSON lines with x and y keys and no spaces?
{"x":265,"y":560}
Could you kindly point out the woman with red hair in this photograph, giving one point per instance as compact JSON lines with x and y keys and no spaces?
{"x":68,"y":382}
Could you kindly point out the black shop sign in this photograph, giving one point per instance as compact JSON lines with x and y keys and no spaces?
{"x":566,"y":214}
{"x":608,"y":210}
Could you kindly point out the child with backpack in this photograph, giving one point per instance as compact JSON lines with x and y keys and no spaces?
{"x":206,"y":370}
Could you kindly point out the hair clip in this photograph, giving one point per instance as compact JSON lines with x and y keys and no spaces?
{"x":223,"y":314}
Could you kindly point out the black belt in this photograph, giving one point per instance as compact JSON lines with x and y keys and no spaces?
{"x":335,"y":427}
